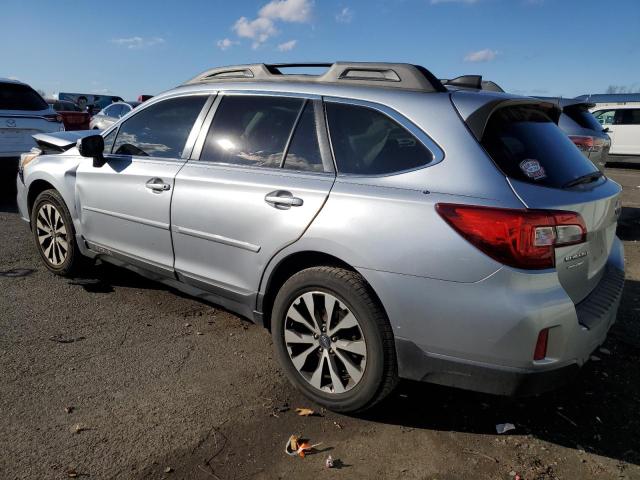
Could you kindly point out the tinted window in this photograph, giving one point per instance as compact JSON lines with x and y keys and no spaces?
{"x":627,"y":116}
{"x":160,"y":130}
{"x":367,"y":142}
{"x":108,"y":140}
{"x":304,"y":150}
{"x":526,"y":145}
{"x":583,"y":117}
{"x":251,"y":130}
{"x":14,"y":96}
{"x":604,"y":117}
{"x":113,"y":111}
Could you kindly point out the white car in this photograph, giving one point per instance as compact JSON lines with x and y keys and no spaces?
{"x":23,"y":113}
{"x":623,"y":124}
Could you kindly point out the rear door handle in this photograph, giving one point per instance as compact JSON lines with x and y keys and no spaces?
{"x":282,"y":199}
{"x":157,"y":185}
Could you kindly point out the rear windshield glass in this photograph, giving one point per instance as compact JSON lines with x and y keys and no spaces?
{"x":527,"y":145}
{"x":14,"y":96}
{"x":583,"y":117}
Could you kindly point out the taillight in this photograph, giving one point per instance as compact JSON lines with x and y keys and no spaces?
{"x":53,"y":117}
{"x":586,"y":143}
{"x":518,"y":238}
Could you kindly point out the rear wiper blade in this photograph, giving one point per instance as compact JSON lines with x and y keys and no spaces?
{"x":588,"y":178}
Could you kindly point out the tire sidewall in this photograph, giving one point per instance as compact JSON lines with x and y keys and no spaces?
{"x":53,"y":198}
{"x":315,"y":280}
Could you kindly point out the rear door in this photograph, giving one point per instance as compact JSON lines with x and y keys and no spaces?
{"x":125,"y":204}
{"x":259,"y":175}
{"x":626,"y":124}
{"x":544,"y":168}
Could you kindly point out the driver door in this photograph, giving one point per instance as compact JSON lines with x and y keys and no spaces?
{"x":124,"y":205}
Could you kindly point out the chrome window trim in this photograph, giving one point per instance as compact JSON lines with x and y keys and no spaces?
{"x":435,"y":150}
{"x":199,"y":144}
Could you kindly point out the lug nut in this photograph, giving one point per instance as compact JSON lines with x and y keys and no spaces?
{"x":334,"y":339}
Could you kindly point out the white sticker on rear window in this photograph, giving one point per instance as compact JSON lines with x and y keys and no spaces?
{"x":533,"y":169}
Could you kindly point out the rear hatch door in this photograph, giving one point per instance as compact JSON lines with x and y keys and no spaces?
{"x":547,"y":171}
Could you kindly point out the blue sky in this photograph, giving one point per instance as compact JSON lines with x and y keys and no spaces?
{"x":535,"y":47}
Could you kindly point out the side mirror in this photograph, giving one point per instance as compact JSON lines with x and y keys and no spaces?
{"x":92,"y":147}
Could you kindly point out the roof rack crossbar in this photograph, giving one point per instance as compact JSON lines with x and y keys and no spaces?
{"x":396,"y":75}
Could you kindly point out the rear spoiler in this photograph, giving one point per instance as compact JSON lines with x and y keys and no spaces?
{"x":476,"y":110}
{"x":473,"y":82}
{"x":60,"y":141}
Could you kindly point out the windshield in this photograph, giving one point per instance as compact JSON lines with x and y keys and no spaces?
{"x":14,"y":96}
{"x":528,"y":146}
{"x":583,"y":117}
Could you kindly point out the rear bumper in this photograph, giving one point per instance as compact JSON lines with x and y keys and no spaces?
{"x":416,"y":364}
{"x":481,"y":336}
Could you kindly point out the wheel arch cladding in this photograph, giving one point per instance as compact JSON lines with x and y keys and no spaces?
{"x":292,"y":264}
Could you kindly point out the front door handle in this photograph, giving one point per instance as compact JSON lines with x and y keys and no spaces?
{"x":157,"y":185}
{"x":282,"y":199}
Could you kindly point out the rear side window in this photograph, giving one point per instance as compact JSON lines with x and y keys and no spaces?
{"x":627,"y":116}
{"x":160,"y":130}
{"x":368,"y":142}
{"x":528,"y":146}
{"x":583,"y":117}
{"x":251,"y":130}
{"x":14,"y":96}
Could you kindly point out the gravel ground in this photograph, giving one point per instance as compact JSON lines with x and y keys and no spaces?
{"x":113,"y":376}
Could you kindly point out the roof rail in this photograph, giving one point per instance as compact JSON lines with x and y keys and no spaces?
{"x":472,"y":81}
{"x":402,"y":76}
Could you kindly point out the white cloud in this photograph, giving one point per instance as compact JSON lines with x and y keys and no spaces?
{"x":287,"y":10}
{"x":469,"y":2}
{"x":138,"y":42}
{"x":345,"y":15}
{"x":287,"y":46}
{"x":485,"y":55}
{"x":258,"y":30}
{"x":264,"y":27}
{"x":225,"y":43}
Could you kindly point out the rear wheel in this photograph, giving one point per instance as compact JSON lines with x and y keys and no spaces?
{"x":54,"y":234}
{"x":333,"y":339}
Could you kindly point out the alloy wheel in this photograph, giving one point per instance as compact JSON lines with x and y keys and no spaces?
{"x":325,"y":342}
{"x":52,"y":234}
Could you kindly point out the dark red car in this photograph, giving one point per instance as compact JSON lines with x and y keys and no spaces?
{"x":72,"y":117}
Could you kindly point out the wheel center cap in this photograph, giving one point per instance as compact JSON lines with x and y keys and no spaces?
{"x":325,"y":341}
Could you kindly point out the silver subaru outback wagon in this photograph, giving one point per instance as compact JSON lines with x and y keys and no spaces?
{"x":380,"y":225}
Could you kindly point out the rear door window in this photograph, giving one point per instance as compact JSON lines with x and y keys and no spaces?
{"x":528,"y":146}
{"x":368,"y":142}
{"x":160,"y":130}
{"x":251,"y":130}
{"x":14,"y":96}
{"x":304,"y":149}
{"x":627,"y":116}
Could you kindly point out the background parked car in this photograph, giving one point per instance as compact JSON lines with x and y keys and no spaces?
{"x":144,"y":98}
{"x":72,"y":117}
{"x":111,"y":114}
{"x":622,"y":123}
{"x":583,"y":129}
{"x":23,"y":113}
{"x":88,"y":102}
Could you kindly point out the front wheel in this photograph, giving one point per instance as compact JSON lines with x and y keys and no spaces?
{"x":54,"y":234}
{"x":333,"y":339}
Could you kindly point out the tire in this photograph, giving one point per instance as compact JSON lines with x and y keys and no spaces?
{"x":58,"y":250}
{"x":351,"y":365}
